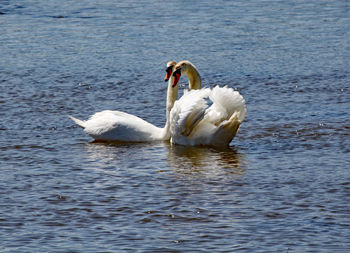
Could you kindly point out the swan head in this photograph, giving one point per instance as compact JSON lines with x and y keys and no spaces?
{"x":179,"y":70}
{"x":169,"y":70}
{"x":188,"y":69}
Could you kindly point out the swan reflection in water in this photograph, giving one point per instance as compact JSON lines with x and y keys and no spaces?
{"x":207,"y":161}
{"x":165,"y":158}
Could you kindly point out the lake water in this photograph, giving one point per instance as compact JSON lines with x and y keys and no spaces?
{"x":283,"y":185}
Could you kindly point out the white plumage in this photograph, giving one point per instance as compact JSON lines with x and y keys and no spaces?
{"x":119,"y":126}
{"x":193,"y":122}
{"x":188,"y":111}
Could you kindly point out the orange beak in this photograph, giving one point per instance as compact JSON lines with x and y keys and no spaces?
{"x":177,"y":75}
{"x":167,"y":76}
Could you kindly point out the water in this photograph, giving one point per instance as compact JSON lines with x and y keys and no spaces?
{"x":282,"y":186}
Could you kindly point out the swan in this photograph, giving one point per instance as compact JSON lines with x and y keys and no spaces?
{"x":117,"y":126}
{"x":193,"y":122}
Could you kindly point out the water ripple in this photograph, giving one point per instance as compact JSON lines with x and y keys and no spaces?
{"x":283,"y":184}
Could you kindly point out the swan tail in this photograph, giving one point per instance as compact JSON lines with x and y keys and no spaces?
{"x":227,"y":130}
{"x":79,"y":122}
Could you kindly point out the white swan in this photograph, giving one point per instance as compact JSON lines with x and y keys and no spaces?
{"x":123,"y":127}
{"x":193,"y":122}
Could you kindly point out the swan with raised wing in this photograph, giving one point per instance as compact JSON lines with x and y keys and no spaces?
{"x":117,"y":126}
{"x":193,"y":122}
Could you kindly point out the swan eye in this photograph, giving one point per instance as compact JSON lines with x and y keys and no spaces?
{"x":169,"y":69}
{"x":177,"y":72}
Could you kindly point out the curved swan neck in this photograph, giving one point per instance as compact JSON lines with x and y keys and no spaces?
{"x":172,"y":94}
{"x":194,"y":79}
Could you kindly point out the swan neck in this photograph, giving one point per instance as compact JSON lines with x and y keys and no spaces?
{"x":172,"y":94}
{"x":194,"y":79}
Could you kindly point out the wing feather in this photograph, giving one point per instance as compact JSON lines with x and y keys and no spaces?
{"x":188,"y":111}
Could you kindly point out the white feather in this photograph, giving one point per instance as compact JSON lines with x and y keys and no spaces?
{"x":119,"y":126}
{"x":218,"y":124}
{"x":188,"y":110}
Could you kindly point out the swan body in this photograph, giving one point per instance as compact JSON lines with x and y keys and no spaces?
{"x":123,"y":127}
{"x":119,"y":126}
{"x":193,"y":122}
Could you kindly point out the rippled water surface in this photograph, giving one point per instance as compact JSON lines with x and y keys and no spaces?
{"x":283,"y":185}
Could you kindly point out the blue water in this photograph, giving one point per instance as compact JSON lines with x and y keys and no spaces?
{"x":283,"y":185}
